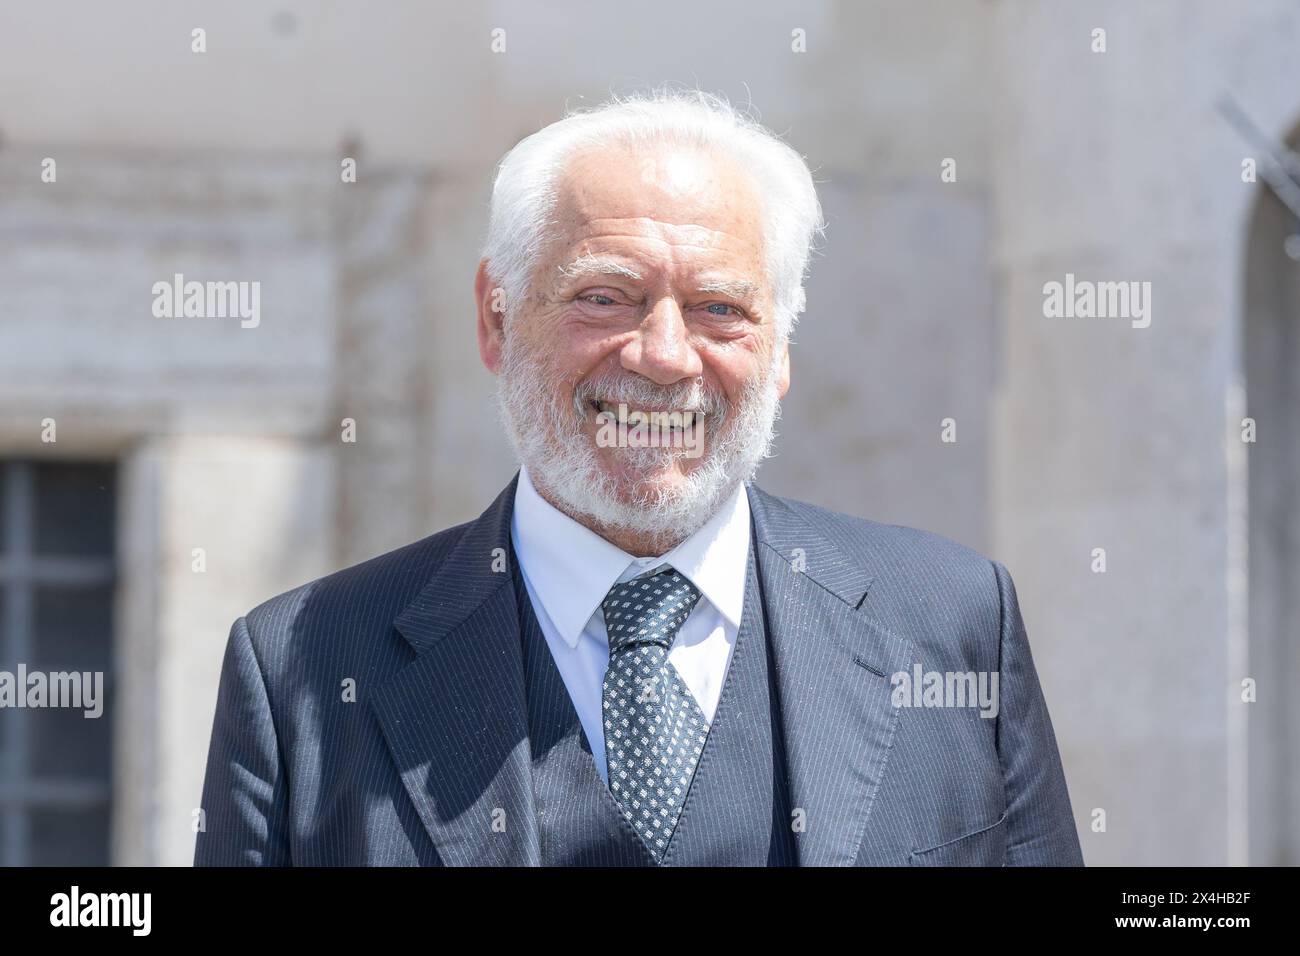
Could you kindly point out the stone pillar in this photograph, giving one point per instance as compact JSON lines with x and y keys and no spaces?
{"x":216,"y":526}
{"x":1112,"y":167}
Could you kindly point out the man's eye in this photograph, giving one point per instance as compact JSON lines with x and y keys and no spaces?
{"x":726,"y":310}
{"x":595,"y":298}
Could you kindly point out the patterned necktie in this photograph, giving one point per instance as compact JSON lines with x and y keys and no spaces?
{"x":654,"y":729}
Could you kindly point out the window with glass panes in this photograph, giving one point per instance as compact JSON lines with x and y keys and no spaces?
{"x":56,"y":615}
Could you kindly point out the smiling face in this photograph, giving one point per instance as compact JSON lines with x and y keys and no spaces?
{"x":651,"y":293}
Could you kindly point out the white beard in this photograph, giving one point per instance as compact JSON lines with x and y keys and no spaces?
{"x":546,"y":430}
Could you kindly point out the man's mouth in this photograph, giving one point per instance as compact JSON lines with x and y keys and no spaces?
{"x":670,"y":419}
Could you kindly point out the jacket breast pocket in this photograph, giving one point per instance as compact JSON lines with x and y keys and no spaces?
{"x":984,"y":847}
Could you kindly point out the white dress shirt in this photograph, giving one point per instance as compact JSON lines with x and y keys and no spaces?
{"x":568,"y":569}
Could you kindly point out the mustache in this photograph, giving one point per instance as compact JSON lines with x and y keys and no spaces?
{"x":639,"y":393}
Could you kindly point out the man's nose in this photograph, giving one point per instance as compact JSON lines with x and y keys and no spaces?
{"x":662,"y":351}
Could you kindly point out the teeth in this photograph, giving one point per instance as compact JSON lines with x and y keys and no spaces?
{"x":637,"y":417}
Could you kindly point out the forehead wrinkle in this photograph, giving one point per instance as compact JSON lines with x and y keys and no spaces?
{"x":661,"y":230}
{"x":679,"y":253}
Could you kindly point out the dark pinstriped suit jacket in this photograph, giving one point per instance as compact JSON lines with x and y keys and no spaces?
{"x":435,"y":745}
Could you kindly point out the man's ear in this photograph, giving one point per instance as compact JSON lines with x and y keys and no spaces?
{"x":783,"y":373}
{"x":491,"y":318}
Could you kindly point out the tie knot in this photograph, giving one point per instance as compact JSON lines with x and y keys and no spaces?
{"x":648,"y":610}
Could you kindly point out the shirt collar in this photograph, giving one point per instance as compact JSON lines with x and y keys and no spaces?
{"x":571,"y":568}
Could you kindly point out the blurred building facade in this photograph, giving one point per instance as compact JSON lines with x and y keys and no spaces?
{"x":200,"y":467}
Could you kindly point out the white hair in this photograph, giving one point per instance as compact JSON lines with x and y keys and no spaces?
{"x":525,"y":189}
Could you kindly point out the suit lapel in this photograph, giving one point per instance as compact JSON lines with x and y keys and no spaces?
{"x":832,"y":673}
{"x":455,"y":718}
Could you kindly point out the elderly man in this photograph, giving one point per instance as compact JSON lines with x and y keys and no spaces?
{"x":635,"y":656}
